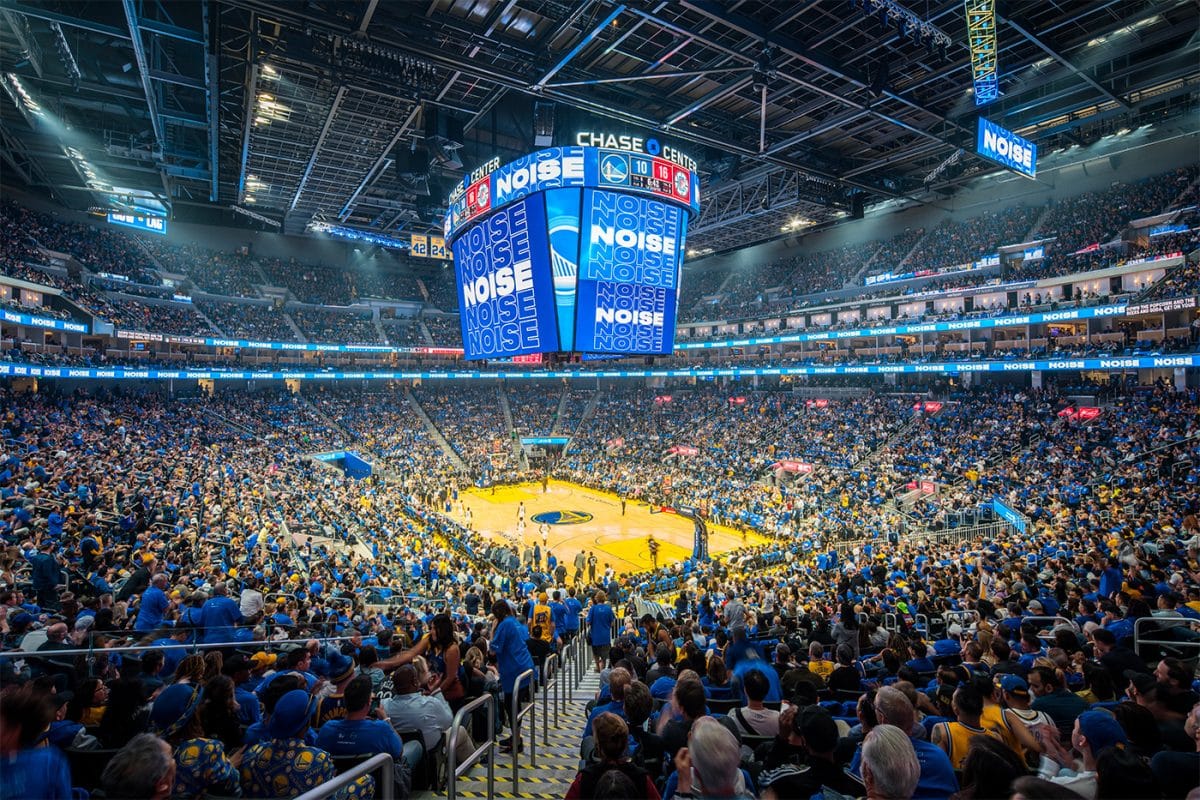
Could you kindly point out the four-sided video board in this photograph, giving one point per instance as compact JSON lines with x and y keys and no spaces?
{"x":572,"y":249}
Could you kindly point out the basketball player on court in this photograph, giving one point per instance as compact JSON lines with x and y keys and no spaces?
{"x":521,"y":512}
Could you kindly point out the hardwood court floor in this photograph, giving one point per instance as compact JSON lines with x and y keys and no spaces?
{"x":617,"y":540}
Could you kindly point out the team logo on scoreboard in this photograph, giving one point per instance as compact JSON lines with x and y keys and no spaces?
{"x":614,"y":169}
{"x":562,"y":517}
{"x":682,"y":183}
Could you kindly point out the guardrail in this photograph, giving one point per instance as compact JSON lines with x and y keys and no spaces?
{"x":384,"y":784}
{"x":517,"y":715}
{"x":1163,"y":622}
{"x":550,"y":669}
{"x":455,"y":770}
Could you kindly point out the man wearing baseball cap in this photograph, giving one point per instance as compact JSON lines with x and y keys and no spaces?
{"x":1094,"y":732}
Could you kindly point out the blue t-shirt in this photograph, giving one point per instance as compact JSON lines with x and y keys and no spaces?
{"x":573,"y":608}
{"x":346,"y":737}
{"x":41,"y":773}
{"x":151,"y":610}
{"x":512,"y":654}
{"x":600,"y":620}
{"x":218,"y":616}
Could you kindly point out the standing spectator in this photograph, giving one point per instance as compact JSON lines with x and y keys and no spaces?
{"x":46,"y":574}
{"x":508,"y":642}
{"x":218,"y":616}
{"x":845,"y":632}
{"x":153,"y":606}
{"x":600,"y":619}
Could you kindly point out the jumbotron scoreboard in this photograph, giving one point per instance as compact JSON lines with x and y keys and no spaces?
{"x":573,"y":249}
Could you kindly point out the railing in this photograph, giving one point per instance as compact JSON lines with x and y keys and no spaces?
{"x":455,"y":770}
{"x":90,"y":652}
{"x":1163,"y":622}
{"x":384,"y":784}
{"x":550,"y":670}
{"x":517,"y":714}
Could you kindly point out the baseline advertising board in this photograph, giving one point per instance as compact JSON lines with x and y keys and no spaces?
{"x":602,"y":237}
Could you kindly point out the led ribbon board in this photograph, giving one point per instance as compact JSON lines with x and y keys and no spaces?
{"x":1006,"y":148}
{"x":141,"y":222}
{"x":981,"y":37}
{"x":601,"y":238}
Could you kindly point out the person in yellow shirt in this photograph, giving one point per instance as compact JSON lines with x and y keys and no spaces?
{"x":817,"y":663}
{"x":541,"y":619}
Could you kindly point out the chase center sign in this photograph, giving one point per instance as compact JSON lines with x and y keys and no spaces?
{"x":574,"y":248}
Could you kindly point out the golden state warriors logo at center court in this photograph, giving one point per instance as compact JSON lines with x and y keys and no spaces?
{"x":562,"y":517}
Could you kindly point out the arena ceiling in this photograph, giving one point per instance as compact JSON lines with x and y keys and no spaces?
{"x":317,"y":110}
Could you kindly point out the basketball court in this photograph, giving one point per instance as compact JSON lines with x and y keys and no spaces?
{"x":583,"y":519}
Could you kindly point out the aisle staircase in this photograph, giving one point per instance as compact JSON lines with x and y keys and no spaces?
{"x":546,"y":767}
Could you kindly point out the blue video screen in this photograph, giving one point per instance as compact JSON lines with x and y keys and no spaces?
{"x":505,"y":291}
{"x":627,"y":289}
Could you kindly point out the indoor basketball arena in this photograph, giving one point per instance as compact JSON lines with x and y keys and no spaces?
{"x":725,"y":399}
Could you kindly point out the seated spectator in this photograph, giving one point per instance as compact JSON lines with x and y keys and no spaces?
{"x":63,"y":732}
{"x":1093,"y":733}
{"x":754,"y":719}
{"x":989,"y":769}
{"x":1179,"y":773}
{"x":893,"y":707}
{"x":143,"y":768}
{"x":361,"y":733}
{"x":845,"y":677}
{"x":647,"y":746}
{"x":716,"y":681}
{"x":30,"y":770}
{"x":285,"y":765}
{"x":817,"y":663}
{"x":708,"y":766}
{"x":411,"y":710}
{"x":201,"y":765}
{"x":1050,"y":696}
{"x":612,"y":745}
{"x":889,"y":764}
{"x":955,"y":737}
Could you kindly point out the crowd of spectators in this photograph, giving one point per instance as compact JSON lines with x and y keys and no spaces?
{"x":263,"y":323}
{"x":232,"y":274}
{"x":403,"y":333}
{"x":894,"y":667}
{"x":176,"y":319}
{"x":342,"y":327}
{"x":444,"y":330}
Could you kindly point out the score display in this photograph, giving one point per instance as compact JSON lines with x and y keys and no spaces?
{"x":571,"y":249}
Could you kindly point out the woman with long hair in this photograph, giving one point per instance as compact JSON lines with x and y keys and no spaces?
{"x":126,"y":714}
{"x":440,"y":648}
{"x":218,"y":712}
{"x":89,"y":703}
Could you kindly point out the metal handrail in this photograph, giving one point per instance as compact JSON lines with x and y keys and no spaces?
{"x":1169,"y":622}
{"x":550,"y":671}
{"x":517,"y":715}
{"x":454,"y":770}
{"x":384,"y":785}
{"x":142,"y":648}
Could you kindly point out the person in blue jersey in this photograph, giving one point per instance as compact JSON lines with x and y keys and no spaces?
{"x":219,"y":616}
{"x":508,"y":643}
{"x":362,"y":732}
{"x":600,"y":619}
{"x":153,"y":606}
{"x":574,"y":609}
{"x":27,"y":769}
